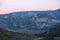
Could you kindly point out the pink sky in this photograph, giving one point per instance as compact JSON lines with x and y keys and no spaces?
{"x":7,"y":6}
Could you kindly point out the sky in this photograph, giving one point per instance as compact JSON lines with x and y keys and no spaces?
{"x":7,"y":6}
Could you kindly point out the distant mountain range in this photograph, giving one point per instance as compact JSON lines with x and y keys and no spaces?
{"x":30,"y":22}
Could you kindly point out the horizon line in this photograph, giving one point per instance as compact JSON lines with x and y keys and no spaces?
{"x":31,"y":11}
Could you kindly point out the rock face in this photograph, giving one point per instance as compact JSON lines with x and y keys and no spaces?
{"x":33,"y":22}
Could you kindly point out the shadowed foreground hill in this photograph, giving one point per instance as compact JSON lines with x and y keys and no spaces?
{"x":7,"y":35}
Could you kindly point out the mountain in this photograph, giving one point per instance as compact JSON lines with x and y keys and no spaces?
{"x":30,"y":22}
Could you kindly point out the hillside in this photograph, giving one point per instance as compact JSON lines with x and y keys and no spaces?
{"x":8,"y":35}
